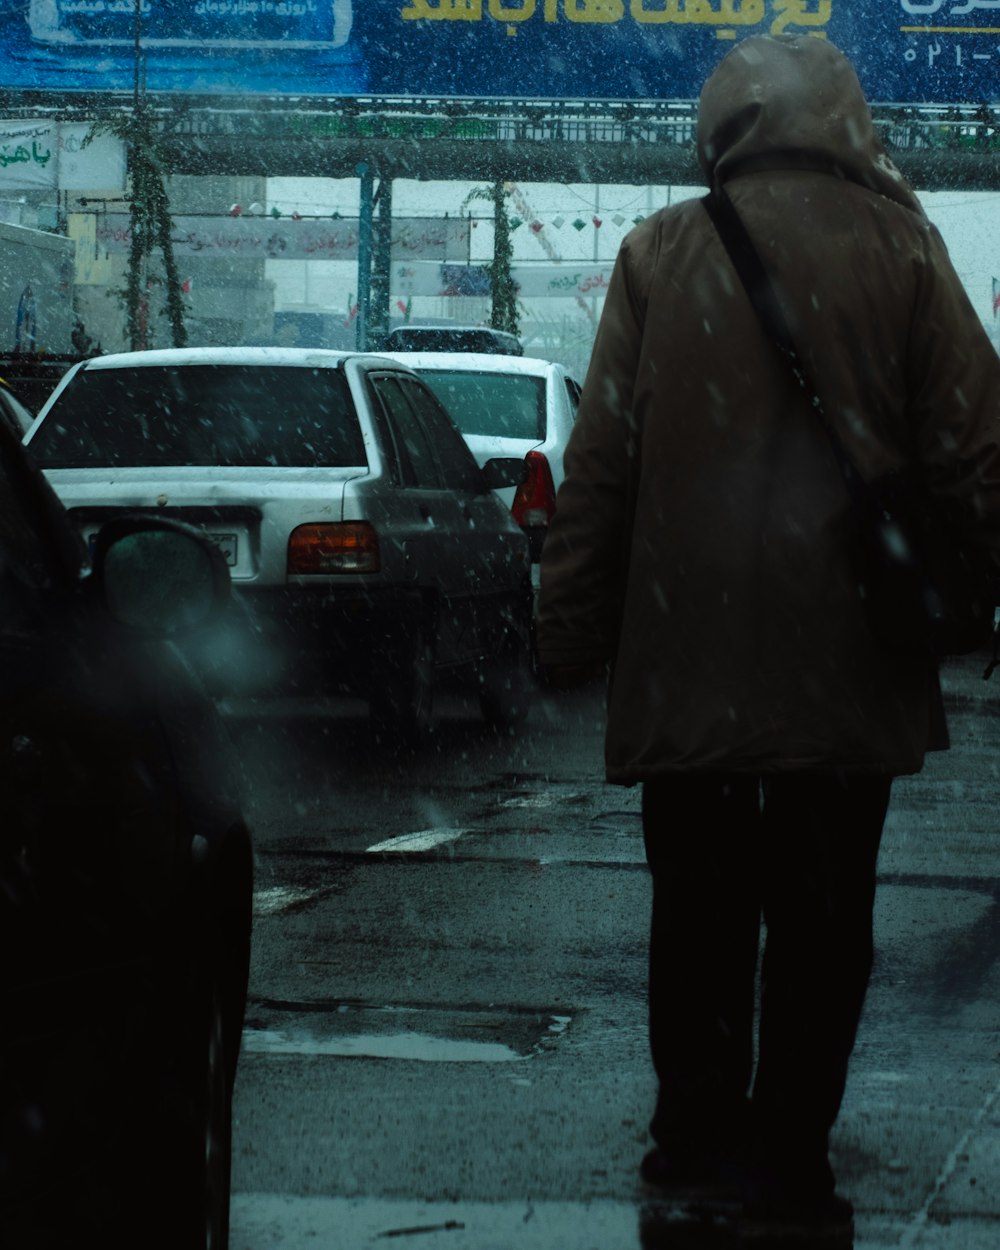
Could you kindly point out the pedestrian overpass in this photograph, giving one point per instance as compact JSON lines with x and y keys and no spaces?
{"x":625,"y":142}
{"x":520,"y":140}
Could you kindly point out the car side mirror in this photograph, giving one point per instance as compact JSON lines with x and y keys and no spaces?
{"x":503,"y":471}
{"x":159,"y":576}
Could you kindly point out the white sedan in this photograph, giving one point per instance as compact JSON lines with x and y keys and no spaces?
{"x":508,"y":406}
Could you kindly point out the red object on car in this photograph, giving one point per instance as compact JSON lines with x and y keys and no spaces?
{"x":334,"y":547}
{"x":535,"y":502}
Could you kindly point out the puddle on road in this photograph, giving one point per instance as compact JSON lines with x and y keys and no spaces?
{"x":464,"y":1035}
{"x":420,"y":1046}
{"x":546,"y":800}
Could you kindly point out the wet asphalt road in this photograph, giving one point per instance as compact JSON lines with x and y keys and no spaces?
{"x":445,"y":1044}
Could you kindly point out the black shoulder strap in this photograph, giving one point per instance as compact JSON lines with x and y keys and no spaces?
{"x":750,"y":269}
{"x":736,"y":239}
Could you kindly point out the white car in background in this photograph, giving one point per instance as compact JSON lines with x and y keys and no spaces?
{"x":508,"y":406}
{"x":367,"y":550}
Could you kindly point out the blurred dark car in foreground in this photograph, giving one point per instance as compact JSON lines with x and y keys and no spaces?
{"x":125,"y":884}
{"x":12,"y":412}
{"x":367,"y":548}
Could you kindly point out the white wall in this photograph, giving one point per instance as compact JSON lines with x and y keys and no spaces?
{"x":969,"y":222}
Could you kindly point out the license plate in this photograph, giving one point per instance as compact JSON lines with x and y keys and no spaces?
{"x":227,"y":544}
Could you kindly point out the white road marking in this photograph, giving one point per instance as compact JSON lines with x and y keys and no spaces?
{"x":270,"y":901}
{"x":424,"y":840}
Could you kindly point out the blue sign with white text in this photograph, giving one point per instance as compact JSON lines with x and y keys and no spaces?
{"x":905,"y":51}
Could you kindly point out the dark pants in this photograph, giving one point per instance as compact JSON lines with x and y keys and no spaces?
{"x":725,"y":851}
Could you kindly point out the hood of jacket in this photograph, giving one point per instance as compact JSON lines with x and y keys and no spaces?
{"x":792,"y":102}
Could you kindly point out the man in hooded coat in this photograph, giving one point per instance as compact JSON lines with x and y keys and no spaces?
{"x":699,"y":550}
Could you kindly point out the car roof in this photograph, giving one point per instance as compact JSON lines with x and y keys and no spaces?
{"x":303,"y":357}
{"x":475,"y":362}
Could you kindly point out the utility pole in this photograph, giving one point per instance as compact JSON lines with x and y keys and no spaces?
{"x":366,"y":213}
{"x":378,"y":321}
{"x":138,"y":75}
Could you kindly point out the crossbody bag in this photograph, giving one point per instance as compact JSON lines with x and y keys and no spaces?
{"x":924,"y":589}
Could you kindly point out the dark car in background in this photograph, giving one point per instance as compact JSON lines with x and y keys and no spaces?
{"x":367,"y":548}
{"x":125,"y":883}
{"x":451,"y":338}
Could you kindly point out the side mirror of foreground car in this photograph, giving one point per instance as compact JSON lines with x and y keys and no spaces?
{"x":504,"y":471}
{"x":159,"y":576}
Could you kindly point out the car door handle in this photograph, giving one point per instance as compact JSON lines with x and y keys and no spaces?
{"x":425,"y":512}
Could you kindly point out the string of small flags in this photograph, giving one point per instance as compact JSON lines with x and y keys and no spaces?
{"x":536,"y":226}
{"x":257,"y":210}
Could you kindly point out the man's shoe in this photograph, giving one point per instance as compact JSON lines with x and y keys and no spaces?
{"x":698,"y":1183}
{"x":826,"y":1220}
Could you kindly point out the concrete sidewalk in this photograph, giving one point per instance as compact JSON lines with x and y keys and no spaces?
{"x":962,"y":679}
{"x":273,"y":1222}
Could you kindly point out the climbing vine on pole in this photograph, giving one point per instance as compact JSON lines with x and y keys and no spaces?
{"x":149,"y":221}
{"x":503,"y":289}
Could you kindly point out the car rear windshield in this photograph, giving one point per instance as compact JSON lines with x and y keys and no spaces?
{"x":227,"y":415}
{"x":505,"y":405}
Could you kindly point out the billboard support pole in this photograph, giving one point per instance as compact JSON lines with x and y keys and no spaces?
{"x":365,"y":218}
{"x":138,"y":49}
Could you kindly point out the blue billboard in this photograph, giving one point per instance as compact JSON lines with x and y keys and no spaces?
{"x":905,"y":51}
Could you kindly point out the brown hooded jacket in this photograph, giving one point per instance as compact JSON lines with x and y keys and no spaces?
{"x":699,"y":544}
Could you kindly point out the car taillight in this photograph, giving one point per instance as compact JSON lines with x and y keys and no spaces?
{"x":535,"y":501}
{"x":338,"y":547}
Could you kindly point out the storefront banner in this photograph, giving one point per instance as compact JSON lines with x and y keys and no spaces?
{"x":268,"y":238}
{"x":28,"y":160}
{"x":533,"y":281}
{"x":43,"y":155}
